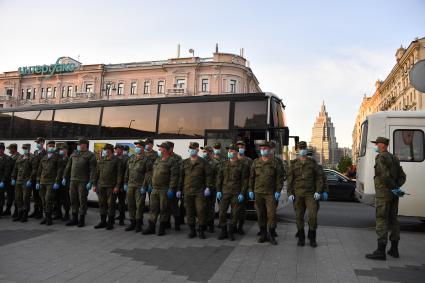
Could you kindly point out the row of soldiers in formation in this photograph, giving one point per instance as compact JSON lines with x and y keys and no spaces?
{"x":175,"y":187}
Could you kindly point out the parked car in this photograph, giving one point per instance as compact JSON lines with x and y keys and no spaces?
{"x":341,"y":188}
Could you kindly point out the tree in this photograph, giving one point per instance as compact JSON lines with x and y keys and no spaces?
{"x":344,"y":163}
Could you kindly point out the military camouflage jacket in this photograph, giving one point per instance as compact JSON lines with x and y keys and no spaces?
{"x":5,"y":170}
{"x":109,"y":172}
{"x":50,"y":170}
{"x":304,"y":177}
{"x":383,"y":179}
{"x":232,"y":178}
{"x":195,"y":176}
{"x":137,"y":169}
{"x":81,"y":166}
{"x":165,"y":174}
{"x":36,"y":159}
{"x":215,"y":165}
{"x":22,"y":170}
{"x":266,"y":177}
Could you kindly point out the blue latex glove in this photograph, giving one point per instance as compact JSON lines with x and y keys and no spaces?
{"x":125,"y":188}
{"x":64,"y":182}
{"x":170,"y":194}
{"x":291,"y":198}
{"x":88,"y":186}
{"x":251,"y":195}
{"x":398,"y":192}
{"x":179,"y":194}
{"x":218,"y":196}
{"x":37,"y":186}
{"x":207,"y":192}
{"x":277,"y":196}
{"x":1,"y":185}
{"x":56,"y":186}
{"x":325,"y":196}
{"x":13,"y":182}
{"x":240,"y":198}
{"x":142,"y":190}
{"x":28,"y":184}
{"x":150,"y":189}
{"x":316,"y":196}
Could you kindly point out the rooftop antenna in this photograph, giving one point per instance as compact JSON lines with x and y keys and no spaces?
{"x":178,"y":50}
{"x":241,"y":52}
{"x":192,"y":51}
{"x":216,"y":48}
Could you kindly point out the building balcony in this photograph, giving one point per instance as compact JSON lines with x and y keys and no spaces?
{"x":79,"y":97}
{"x":7,"y":98}
{"x":177,"y":92}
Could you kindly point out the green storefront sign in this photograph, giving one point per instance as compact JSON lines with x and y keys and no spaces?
{"x":49,"y":70}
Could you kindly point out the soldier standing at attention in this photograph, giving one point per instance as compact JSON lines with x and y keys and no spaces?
{"x":247,"y":162}
{"x":107,"y":181}
{"x":265,"y":185}
{"x":149,"y":151}
{"x":4,"y":175}
{"x":389,"y":176}
{"x":232,"y":184}
{"x":39,"y":153}
{"x":217,"y":151}
{"x":21,"y":179}
{"x":14,"y":154}
{"x":195,"y":182}
{"x":49,"y":174}
{"x":137,"y":169}
{"x":63,"y":193}
{"x":173,"y":204}
{"x":164,"y":181}
{"x":305,"y":185}
{"x":80,"y":170}
{"x":119,"y":153}
{"x":214,"y":164}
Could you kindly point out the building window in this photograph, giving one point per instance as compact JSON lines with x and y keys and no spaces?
{"x":147,"y":87}
{"x":133,"y":88}
{"x":108,"y":89}
{"x":29,"y":92}
{"x":54,"y":92}
{"x":43,"y":93}
{"x":49,"y":92}
{"x":89,"y":88}
{"x":181,"y":83}
{"x":9,"y":92}
{"x":22,"y":94}
{"x":409,"y":145}
{"x":34,"y":93}
{"x":161,"y":87}
{"x":204,"y":85}
{"x":76,"y":90}
{"x":63,"y":92}
{"x":120,"y":90}
{"x":69,"y":91}
{"x":232,"y":86}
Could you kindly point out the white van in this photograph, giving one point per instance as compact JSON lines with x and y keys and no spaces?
{"x":405,"y":130}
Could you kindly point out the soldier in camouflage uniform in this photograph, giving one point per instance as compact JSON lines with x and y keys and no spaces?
{"x":173,"y":204}
{"x":232,"y":185}
{"x":242,"y":209}
{"x":386,"y":200}
{"x":39,"y":153}
{"x":164,"y":181}
{"x":106,"y":185}
{"x":80,"y":170}
{"x":149,"y":151}
{"x":62,"y":197}
{"x":119,"y":153}
{"x":195,"y":182}
{"x":305,"y":186}
{"x":265,"y":186}
{"x":14,"y":154}
{"x":214,"y":163}
{"x":4,"y":175}
{"x":21,"y":179}
{"x":49,"y":175}
{"x":138,"y":168}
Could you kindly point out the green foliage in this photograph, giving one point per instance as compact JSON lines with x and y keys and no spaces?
{"x":343,"y":164}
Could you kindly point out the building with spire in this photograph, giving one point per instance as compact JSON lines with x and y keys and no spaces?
{"x":323,"y":140}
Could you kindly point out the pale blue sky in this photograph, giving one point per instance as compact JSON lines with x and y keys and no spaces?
{"x":304,"y":51}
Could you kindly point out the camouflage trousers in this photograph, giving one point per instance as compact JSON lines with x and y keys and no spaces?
{"x":136,"y":203}
{"x":78,"y":196}
{"x":226,"y":201}
{"x":22,"y":197}
{"x":47,"y":196}
{"x":386,"y":219}
{"x":159,"y":206}
{"x":173,"y":208}
{"x":265,"y":206}
{"x":107,"y":201}
{"x":210,"y":207}
{"x":301,"y":204}
{"x":195,"y":206}
{"x":242,"y":209}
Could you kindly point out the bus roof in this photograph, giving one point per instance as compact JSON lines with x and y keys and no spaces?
{"x":396,"y":114}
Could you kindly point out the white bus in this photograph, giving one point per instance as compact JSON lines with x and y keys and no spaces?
{"x":405,"y":129}
{"x":204,"y":119}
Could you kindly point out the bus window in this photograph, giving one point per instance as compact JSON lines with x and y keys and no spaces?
{"x":191,"y":119}
{"x":363,"y":142}
{"x":277,"y":115}
{"x":30,"y":124}
{"x":409,"y":145}
{"x":129,"y":121}
{"x":74,"y":123}
{"x":250,"y":114}
{"x":5,"y":119}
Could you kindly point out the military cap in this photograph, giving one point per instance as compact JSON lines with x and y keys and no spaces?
{"x":165,"y":145}
{"x":217,"y":145}
{"x":83,"y":141}
{"x":140,"y":142}
{"x":26,"y":146}
{"x":232,"y":146}
{"x":40,"y":139}
{"x":2,"y":145}
{"x":193,"y":145}
{"x":149,"y":140}
{"x":108,"y":146}
{"x":51,"y":142}
{"x":240,"y":143}
{"x":302,"y":145}
{"x":13,"y":146}
{"x":170,"y":143}
{"x":119,"y":146}
{"x":265,"y":143}
{"x":207,"y":148}
{"x":126,"y":147}
{"x":381,"y":140}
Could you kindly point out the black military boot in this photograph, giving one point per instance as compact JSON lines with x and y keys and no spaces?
{"x":177,"y":223}
{"x":102,"y":223}
{"x":15,"y":212}
{"x":263,"y":235}
{"x":81,"y":221}
{"x":7,"y":211}
{"x":301,"y":238}
{"x":110,"y":224}
{"x":211,"y":227}
{"x":167,"y":224}
{"x":43,"y":221}
{"x":240,"y":228}
{"x":73,"y":221}
{"x":312,"y":238}
{"x":34,"y":213}
{"x":379,"y":253}
{"x":66,"y":216}
{"x":24,"y":217}
{"x":231,"y":231}
{"x":271,"y":236}
{"x":58,"y":214}
{"x":192,"y":233}
{"x":223,"y":234}
{"x":132,"y":225}
{"x":17,"y":217}
{"x":202,"y":229}
{"x":161,"y":230}
{"x":121,"y":218}
{"x":150,"y":229}
{"x":393,"y":251}
{"x":48,"y":218}
{"x":138,"y":227}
